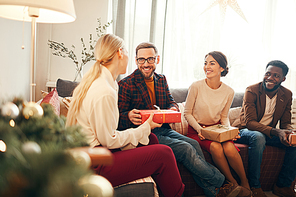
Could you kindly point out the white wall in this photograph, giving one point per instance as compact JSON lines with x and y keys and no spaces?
{"x":50,"y":67}
{"x":15,"y":62}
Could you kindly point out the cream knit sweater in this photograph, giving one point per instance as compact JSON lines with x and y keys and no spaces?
{"x":207,"y":106}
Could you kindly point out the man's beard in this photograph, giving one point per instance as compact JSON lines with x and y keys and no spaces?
{"x":273,"y":89}
{"x":148,"y":76}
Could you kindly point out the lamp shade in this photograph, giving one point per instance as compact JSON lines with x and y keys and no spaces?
{"x":48,"y":11}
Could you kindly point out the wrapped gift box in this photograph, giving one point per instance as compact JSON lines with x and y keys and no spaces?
{"x":161,"y":116}
{"x":219,"y":133}
{"x":292,"y":138}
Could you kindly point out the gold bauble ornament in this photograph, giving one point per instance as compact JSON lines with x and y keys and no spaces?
{"x":81,"y":158}
{"x":10,"y":109}
{"x":32,"y":109}
{"x":96,"y":186}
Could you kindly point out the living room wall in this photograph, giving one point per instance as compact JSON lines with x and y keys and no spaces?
{"x":50,"y":67}
{"x":15,"y":62}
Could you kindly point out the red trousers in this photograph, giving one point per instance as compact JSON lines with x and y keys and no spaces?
{"x":154,"y":160}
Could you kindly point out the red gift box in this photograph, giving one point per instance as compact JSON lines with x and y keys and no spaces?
{"x":161,"y":116}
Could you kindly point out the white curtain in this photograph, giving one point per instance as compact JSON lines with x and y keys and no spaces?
{"x":184,"y":31}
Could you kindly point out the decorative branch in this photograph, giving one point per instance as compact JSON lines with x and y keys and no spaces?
{"x":87,"y":54}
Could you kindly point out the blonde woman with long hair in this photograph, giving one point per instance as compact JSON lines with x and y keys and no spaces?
{"x":94,"y":107}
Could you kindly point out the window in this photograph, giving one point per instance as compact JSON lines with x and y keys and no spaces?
{"x":185,"y":31}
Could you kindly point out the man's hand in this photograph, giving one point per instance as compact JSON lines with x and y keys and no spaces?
{"x":282,"y":134}
{"x":135,"y":117}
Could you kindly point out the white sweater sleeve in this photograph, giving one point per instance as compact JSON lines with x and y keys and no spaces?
{"x":103,"y":120}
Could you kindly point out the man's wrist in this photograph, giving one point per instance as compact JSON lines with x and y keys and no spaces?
{"x":274,"y":132}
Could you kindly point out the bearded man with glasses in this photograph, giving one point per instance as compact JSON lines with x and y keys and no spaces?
{"x":143,"y":89}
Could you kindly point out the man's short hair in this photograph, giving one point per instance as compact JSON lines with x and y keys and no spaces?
{"x":145,"y":45}
{"x":279,"y":64}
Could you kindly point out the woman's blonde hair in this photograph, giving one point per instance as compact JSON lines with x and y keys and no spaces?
{"x":105,"y":49}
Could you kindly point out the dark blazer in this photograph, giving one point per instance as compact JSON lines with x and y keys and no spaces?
{"x":253,"y":109}
{"x":133,"y":94}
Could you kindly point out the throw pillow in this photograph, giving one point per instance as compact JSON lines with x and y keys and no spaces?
{"x":233,"y":116}
{"x":53,"y":99}
{"x":181,"y":127}
{"x":65,"y":88}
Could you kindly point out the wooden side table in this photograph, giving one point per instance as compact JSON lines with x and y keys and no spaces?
{"x":50,"y":85}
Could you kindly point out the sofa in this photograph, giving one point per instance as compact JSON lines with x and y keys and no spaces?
{"x":272,"y":157}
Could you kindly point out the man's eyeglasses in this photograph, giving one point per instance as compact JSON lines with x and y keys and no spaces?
{"x":150,"y":60}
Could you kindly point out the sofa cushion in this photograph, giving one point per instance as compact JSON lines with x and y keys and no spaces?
{"x":53,"y":99}
{"x":65,"y":88}
{"x":179,"y":94}
{"x":148,"y":179}
{"x":237,"y":99}
{"x":135,"y":190}
{"x":272,"y":161}
{"x":233,"y":116}
{"x":181,"y":127}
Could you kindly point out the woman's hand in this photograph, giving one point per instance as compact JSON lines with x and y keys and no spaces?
{"x":151,"y":123}
{"x":201,"y":137}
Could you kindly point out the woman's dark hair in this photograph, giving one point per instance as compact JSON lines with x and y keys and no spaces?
{"x":279,"y":64}
{"x":221,"y":59}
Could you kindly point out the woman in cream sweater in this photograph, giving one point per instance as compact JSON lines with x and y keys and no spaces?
{"x":208,"y":103}
{"x":94,"y":107}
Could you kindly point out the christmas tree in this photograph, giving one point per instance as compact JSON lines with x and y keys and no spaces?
{"x":34,"y":160}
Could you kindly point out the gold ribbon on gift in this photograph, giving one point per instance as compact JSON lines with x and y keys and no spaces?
{"x":163,"y":115}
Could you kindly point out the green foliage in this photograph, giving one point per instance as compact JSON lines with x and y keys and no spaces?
{"x":51,"y":173}
{"x":87,"y":54}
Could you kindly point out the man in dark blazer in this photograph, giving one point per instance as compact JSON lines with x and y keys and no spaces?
{"x":142,"y":90}
{"x":264,"y":105}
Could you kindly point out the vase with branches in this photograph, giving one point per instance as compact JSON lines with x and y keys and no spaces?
{"x":87,"y":53}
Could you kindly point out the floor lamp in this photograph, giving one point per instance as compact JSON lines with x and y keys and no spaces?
{"x":37,"y":11}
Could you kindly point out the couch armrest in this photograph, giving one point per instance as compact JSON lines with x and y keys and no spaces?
{"x":98,"y":155}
